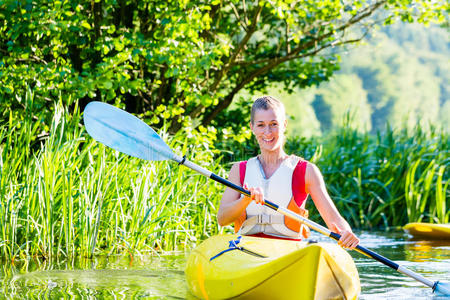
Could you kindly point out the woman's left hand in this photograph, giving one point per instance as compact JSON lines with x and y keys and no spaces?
{"x":348,"y":239}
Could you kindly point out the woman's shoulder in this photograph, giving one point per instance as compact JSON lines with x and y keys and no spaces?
{"x":235,"y":166}
{"x":233,"y":175}
{"x":298,"y":159}
{"x":310,"y":167}
{"x":313,"y":172}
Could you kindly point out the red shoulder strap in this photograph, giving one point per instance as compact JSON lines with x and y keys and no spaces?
{"x":242,"y":168}
{"x":298,"y":182}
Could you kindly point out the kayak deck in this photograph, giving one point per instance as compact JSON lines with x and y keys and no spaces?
{"x":288,"y":270}
{"x":429,"y":231}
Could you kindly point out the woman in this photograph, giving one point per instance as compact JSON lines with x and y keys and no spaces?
{"x":284,"y":179}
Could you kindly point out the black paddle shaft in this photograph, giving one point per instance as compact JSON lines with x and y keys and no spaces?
{"x":363,"y":250}
{"x":240,"y":190}
{"x":370,"y":253}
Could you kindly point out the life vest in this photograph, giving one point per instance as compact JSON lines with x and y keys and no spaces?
{"x":286,"y":188}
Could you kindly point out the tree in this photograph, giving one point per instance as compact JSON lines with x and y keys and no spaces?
{"x":175,"y":61}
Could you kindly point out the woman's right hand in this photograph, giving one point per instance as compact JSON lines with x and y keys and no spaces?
{"x":256,"y":193}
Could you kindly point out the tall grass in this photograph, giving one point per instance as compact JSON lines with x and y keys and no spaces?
{"x":389,"y":179}
{"x":396,"y":177}
{"x":62,"y":193}
{"x":441,"y":206}
{"x":72,"y":196}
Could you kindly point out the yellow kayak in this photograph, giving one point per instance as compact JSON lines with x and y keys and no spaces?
{"x":270,"y":269}
{"x":429,"y":231}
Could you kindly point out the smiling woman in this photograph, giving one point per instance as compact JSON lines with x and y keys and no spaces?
{"x":268,"y":123}
{"x":284,"y":179}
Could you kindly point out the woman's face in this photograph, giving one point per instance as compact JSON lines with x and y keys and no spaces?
{"x":268,"y":127}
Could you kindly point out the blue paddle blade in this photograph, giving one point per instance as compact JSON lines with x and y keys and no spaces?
{"x":124,"y":132}
{"x":442,"y":288}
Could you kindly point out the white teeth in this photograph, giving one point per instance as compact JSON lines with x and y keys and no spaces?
{"x":265,"y":140}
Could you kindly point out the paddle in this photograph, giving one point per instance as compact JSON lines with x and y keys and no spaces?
{"x":126,"y":133}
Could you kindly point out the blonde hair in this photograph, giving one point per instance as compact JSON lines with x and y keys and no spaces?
{"x":266,"y":102}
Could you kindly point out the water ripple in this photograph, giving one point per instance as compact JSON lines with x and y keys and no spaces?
{"x":163,"y":277}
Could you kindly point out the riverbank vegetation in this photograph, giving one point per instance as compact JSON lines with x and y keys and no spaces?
{"x":183,"y":68}
{"x":65,"y":194}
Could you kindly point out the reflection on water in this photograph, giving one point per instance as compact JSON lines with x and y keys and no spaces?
{"x":430,"y":259}
{"x":154,"y":277}
{"x":102,"y":277}
{"x":423,"y":251}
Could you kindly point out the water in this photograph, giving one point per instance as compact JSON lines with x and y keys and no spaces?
{"x":162,"y":277}
{"x":430,"y":259}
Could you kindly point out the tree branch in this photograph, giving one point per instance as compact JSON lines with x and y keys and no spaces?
{"x":221,"y":73}
{"x":244,"y":6}
{"x":318,"y":39}
{"x":272,"y":64}
{"x":236,"y":13}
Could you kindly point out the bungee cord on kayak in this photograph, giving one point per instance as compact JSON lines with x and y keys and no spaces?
{"x":233,"y":245}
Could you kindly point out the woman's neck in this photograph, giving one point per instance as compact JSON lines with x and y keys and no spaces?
{"x":272,"y":158}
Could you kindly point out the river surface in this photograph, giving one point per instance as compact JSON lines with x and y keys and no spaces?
{"x":162,"y":277}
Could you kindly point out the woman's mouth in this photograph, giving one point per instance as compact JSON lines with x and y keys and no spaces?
{"x":268,"y":140}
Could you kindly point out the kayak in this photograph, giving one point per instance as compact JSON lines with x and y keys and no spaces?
{"x":245,"y":267}
{"x":429,"y":231}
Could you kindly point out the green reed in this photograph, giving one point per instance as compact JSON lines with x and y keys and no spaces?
{"x":377,"y":181}
{"x":69,"y":195}
{"x":62,"y":193}
{"x":388,"y":180}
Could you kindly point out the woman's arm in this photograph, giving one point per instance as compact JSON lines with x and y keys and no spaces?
{"x":315,"y":186}
{"x":232,"y":205}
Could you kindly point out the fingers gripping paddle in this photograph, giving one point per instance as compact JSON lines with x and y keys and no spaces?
{"x":126,"y":133}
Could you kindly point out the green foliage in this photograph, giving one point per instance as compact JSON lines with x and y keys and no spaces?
{"x":388,"y":180}
{"x":417,"y":192}
{"x":65,"y":194}
{"x":395,"y":177}
{"x":401,"y":88}
{"x":68,"y":195}
{"x":398,"y":76}
{"x":343,"y":95}
{"x":176,"y":61}
{"x":442,"y":214}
